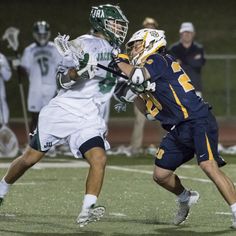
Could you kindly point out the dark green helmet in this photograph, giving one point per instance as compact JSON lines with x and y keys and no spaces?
{"x":111,"y":21}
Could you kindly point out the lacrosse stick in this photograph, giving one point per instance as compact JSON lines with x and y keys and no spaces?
{"x":9,"y":146}
{"x":11,"y":35}
{"x":67,"y":50}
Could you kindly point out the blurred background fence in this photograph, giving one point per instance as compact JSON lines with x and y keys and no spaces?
{"x":219,"y":84}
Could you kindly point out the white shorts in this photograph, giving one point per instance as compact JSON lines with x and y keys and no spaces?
{"x":56,"y":123}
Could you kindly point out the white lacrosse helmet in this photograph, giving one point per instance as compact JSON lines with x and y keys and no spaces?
{"x":41,"y":32}
{"x":152,"y":41}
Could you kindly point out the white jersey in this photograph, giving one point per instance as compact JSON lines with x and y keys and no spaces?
{"x":5,"y":75}
{"x":76,"y":114}
{"x":41,"y":63}
{"x":99,"y":89}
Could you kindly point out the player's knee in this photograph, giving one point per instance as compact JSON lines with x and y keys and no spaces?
{"x":160,"y":177}
{"x":97,"y":158}
{"x":206,"y":166}
{"x":30,"y":157}
{"x":210,"y":168}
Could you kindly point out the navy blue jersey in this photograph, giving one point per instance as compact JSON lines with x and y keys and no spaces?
{"x":174,"y":99}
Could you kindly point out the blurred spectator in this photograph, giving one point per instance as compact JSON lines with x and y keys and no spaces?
{"x":5,"y":75}
{"x":39,"y":62}
{"x":189,"y":54}
{"x":150,"y":23}
{"x":139,"y":120}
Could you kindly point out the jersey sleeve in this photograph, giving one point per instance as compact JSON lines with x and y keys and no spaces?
{"x":156,"y":66}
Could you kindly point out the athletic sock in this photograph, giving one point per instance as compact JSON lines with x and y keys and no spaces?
{"x":184,"y":196}
{"x":4,"y":187}
{"x":233,"y":209}
{"x":89,"y":200}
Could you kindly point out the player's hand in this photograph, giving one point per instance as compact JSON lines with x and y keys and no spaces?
{"x":118,"y":59}
{"x":72,"y":72}
{"x":15,"y":63}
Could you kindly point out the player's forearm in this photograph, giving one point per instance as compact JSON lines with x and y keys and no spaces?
{"x":126,"y":68}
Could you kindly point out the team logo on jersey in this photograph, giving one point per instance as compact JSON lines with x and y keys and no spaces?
{"x":159,"y":154}
{"x":48,"y":145}
{"x":97,"y":13}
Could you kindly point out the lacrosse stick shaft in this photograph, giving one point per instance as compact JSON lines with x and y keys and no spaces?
{"x":112,"y":71}
{"x":22,"y":96}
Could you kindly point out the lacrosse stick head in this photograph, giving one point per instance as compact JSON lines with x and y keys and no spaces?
{"x":110,"y":20}
{"x":41,"y":32}
{"x":11,"y":35}
{"x":69,"y":52}
{"x":9,"y":146}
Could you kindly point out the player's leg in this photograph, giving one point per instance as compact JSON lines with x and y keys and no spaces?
{"x":96,"y":158}
{"x":18,"y":168}
{"x":170,"y":156}
{"x":185,"y":198}
{"x":94,"y":152}
{"x":223,"y":183}
{"x":40,"y":143}
{"x":206,"y":143}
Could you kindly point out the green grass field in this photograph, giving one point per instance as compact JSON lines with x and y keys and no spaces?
{"x":46,"y":201}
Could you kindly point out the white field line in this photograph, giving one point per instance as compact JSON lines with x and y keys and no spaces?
{"x":117,"y":214}
{"x":83,"y":164}
{"x":224,"y":213}
{"x":44,"y":165}
{"x":150,"y":173}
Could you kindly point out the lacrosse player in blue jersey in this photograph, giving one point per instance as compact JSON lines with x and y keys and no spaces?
{"x":75,"y":114}
{"x":164,"y":92}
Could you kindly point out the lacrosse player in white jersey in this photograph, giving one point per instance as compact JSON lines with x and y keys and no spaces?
{"x":39,"y":63}
{"x":5,"y":75}
{"x":75,"y":113}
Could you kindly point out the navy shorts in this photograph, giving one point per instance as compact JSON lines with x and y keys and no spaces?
{"x":196,"y":137}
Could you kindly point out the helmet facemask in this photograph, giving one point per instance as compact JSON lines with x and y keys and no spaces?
{"x":109,"y":20}
{"x":41,"y":33}
{"x":116,"y":30}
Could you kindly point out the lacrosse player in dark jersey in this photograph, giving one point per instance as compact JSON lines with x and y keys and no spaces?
{"x":163,"y":91}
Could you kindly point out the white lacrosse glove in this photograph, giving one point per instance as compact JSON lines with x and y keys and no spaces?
{"x":145,"y":86}
{"x":120,"y":107}
{"x":150,"y":87}
{"x":115,"y":52}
